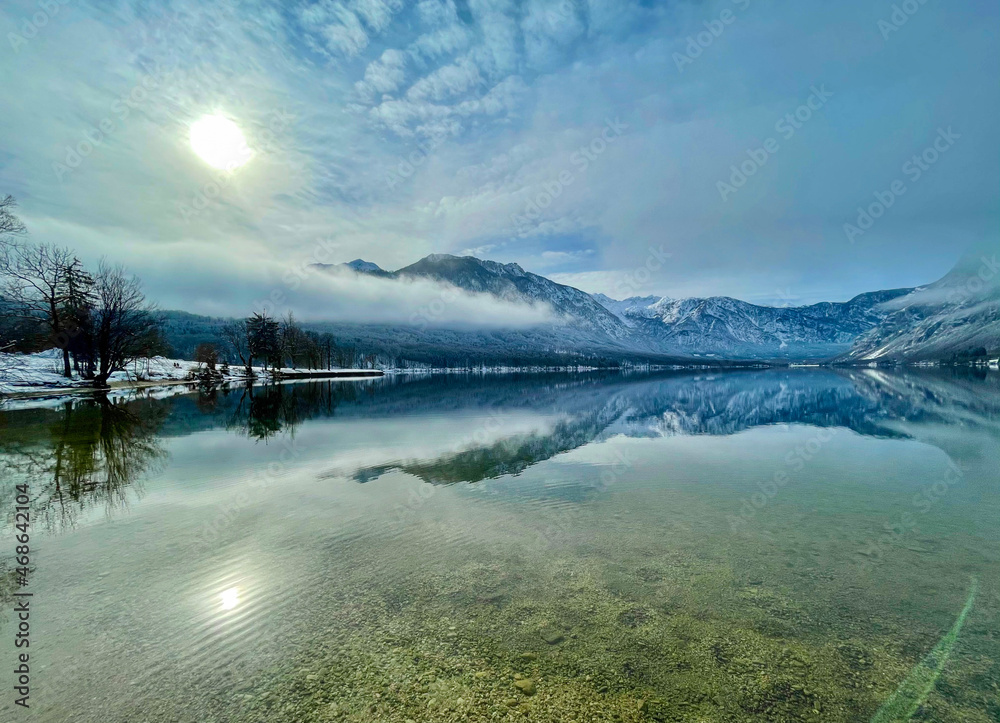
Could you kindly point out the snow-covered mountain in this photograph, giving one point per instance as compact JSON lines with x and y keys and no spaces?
{"x":512,"y":283}
{"x":933,"y":321}
{"x":627,"y":309}
{"x":957,"y":316}
{"x":729,"y":328}
{"x":509,"y":282}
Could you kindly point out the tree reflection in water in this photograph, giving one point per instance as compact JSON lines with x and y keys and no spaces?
{"x":264,"y":411}
{"x":86,"y":453}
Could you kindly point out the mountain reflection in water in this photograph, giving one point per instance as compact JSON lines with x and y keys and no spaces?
{"x":95,"y":452}
{"x":867,"y":402}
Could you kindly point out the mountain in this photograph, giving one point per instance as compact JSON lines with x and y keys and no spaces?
{"x":363,"y":267}
{"x":585,"y":333}
{"x":716,"y":327}
{"x":510,"y":282}
{"x":626,"y":308}
{"x":955,"y":318}
{"x":729,"y":328}
{"x":952,"y":317}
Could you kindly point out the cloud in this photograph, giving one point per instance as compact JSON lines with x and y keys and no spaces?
{"x":441,"y":42}
{"x":480,"y":252}
{"x":377,"y":13}
{"x":560,"y":256}
{"x":342,"y":295}
{"x":384,"y":75}
{"x":345,"y":35}
{"x":448,"y":81}
{"x":972,"y":283}
{"x":435,"y":13}
{"x":549,"y":30}
{"x":346,"y":29}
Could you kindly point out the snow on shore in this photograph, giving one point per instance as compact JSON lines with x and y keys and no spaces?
{"x":43,"y":371}
{"x":40,"y":374}
{"x":36,"y":380}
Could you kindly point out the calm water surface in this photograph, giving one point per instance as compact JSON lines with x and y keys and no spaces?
{"x":752,"y":546}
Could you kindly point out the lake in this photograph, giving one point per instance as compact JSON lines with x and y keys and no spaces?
{"x":779,"y":545}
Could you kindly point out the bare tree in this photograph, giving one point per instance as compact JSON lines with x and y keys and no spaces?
{"x":33,"y":281}
{"x":294,"y":343}
{"x":326,"y":342}
{"x":78,"y":317}
{"x":124,"y":323}
{"x":10,"y":225}
{"x":235,"y":334}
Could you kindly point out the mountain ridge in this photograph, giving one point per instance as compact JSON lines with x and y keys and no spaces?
{"x":717,"y":327}
{"x":932,"y":322}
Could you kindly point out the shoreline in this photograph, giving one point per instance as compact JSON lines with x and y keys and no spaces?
{"x":24,"y":394}
{"x":43,"y":392}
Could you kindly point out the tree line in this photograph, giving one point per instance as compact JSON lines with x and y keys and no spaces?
{"x":102,"y":323}
{"x":99,"y":319}
{"x":277,"y":343}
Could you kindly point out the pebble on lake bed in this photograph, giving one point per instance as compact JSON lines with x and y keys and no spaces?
{"x":526,"y":686}
{"x":551,"y":635}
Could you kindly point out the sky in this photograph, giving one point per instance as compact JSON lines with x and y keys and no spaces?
{"x":728,"y":146}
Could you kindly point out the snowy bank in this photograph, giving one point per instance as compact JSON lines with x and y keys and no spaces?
{"x":40,"y":375}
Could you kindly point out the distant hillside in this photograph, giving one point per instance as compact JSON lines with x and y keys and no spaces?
{"x":184,"y":331}
{"x":405,"y":345}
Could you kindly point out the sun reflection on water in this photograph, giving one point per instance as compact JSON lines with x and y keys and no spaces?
{"x":230,"y":598}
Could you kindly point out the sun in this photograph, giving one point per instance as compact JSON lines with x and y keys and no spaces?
{"x":219,"y":142}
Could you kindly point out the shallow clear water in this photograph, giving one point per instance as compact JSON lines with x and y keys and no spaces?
{"x":745,"y":546}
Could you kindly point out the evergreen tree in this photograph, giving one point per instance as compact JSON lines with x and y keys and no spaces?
{"x":264,"y":338}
